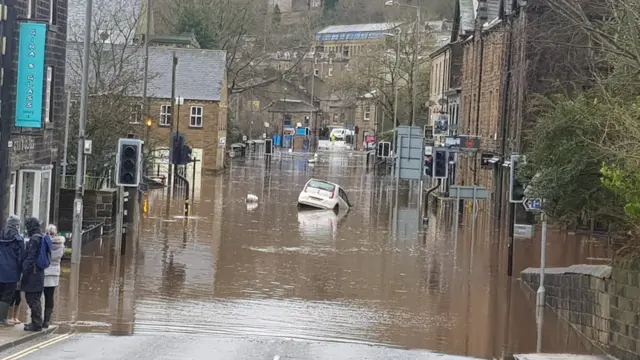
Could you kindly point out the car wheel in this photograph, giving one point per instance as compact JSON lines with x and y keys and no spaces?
{"x":336,"y":208}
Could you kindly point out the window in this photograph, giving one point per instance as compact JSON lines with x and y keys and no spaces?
{"x":135,"y":116}
{"x":31,"y":9}
{"x":316,"y":72}
{"x":195,"y":119}
{"x":34,"y":194}
{"x":12,"y":194}
{"x":330,"y":72}
{"x":165,"y":115}
{"x":48,"y":95}
{"x":335,"y":118}
{"x":367,"y":112}
{"x":53,"y":12}
{"x":345,"y":51}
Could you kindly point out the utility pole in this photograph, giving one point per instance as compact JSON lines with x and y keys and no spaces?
{"x":540,"y":295}
{"x":414,"y":68}
{"x":76,"y":251}
{"x":145,"y":102}
{"x":173,"y":106}
{"x":66,"y":138}
{"x":8,"y":79}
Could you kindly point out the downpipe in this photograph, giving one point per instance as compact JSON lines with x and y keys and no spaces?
{"x":425,"y":219}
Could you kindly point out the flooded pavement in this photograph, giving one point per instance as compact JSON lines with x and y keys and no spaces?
{"x":264,"y":270}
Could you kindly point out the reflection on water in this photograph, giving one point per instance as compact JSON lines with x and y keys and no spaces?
{"x":272,"y":271}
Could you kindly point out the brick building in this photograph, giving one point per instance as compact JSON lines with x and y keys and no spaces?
{"x":32,"y":106}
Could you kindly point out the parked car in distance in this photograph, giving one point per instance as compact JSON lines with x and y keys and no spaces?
{"x":321,"y":194}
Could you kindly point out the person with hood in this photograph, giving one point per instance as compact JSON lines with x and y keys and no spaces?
{"x":33,"y":275}
{"x":52,"y":273}
{"x":11,"y":254}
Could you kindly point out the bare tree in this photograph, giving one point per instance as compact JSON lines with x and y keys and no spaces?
{"x":385,"y":67}
{"x":248,"y":35}
{"x":115,"y":79}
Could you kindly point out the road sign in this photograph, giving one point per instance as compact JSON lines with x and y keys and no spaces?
{"x":522,"y":231}
{"x":467,"y":192}
{"x":88,"y":145}
{"x":143,"y":187}
{"x":532,"y":204}
{"x":410,"y":148}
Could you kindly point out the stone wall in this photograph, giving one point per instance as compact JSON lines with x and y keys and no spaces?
{"x":601,"y":302}
{"x":99,"y":206}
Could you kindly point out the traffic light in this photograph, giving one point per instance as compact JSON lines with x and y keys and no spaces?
{"x":516,"y":188}
{"x":384,"y":149}
{"x":440,"y":164}
{"x":178,"y":143}
{"x":129,"y":162}
{"x":268,"y":146}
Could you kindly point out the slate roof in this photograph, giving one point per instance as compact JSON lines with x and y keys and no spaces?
{"x":199,"y":73}
{"x":290,"y":106}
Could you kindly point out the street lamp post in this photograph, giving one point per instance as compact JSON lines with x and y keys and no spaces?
{"x":76,"y":244}
{"x":414,"y":67}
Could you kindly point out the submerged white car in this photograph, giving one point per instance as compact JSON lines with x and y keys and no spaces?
{"x":320,"y":194}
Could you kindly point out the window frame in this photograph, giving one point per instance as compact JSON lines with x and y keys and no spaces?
{"x":31,"y":9}
{"x":193,"y":116}
{"x":135,"y":116}
{"x":48,"y":102}
{"x":167,"y":115}
{"x":366,"y":112}
{"x":53,"y":12}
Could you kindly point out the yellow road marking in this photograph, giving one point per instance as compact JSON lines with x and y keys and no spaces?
{"x":37,"y":347}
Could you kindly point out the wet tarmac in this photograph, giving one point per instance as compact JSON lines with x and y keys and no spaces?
{"x":265,"y":271}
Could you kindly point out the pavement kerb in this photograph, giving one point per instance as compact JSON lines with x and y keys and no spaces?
{"x":27,"y":338}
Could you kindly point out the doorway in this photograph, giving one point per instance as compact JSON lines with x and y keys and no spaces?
{"x":34,"y":195}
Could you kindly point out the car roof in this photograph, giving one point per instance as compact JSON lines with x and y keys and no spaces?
{"x":324,"y":181}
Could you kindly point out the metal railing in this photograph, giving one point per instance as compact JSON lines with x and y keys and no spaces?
{"x":90,"y":182}
{"x":92,"y":232}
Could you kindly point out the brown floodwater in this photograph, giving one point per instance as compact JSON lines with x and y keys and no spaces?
{"x":373,"y":276}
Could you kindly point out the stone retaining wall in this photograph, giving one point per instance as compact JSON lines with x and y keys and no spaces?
{"x":601,"y":302}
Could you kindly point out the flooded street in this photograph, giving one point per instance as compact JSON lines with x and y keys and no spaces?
{"x":373,"y":276}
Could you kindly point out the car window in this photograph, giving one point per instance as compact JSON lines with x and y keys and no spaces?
{"x":343,"y":195}
{"x":321,"y":185}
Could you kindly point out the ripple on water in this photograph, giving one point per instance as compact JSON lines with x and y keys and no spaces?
{"x":349,"y":321}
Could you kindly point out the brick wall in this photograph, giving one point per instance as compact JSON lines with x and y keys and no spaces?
{"x":40,"y":146}
{"x":600,"y":301}
{"x":99,"y":206}
{"x":480,"y":110}
{"x":206,"y":137}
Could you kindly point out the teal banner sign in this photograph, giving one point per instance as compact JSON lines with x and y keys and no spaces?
{"x":31,"y":73}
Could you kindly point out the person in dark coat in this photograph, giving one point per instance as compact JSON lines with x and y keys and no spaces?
{"x":33,"y":277}
{"x":11,"y":255}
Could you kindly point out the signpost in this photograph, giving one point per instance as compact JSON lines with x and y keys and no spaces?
{"x":532,"y":205}
{"x":523,"y":231}
{"x":535,"y":206}
{"x":472,"y":193}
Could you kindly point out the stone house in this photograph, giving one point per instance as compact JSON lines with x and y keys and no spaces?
{"x":201,"y":114}
{"x":506,"y":62}
{"x":29,"y":144}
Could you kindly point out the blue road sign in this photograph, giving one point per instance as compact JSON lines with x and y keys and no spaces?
{"x":532,"y":204}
